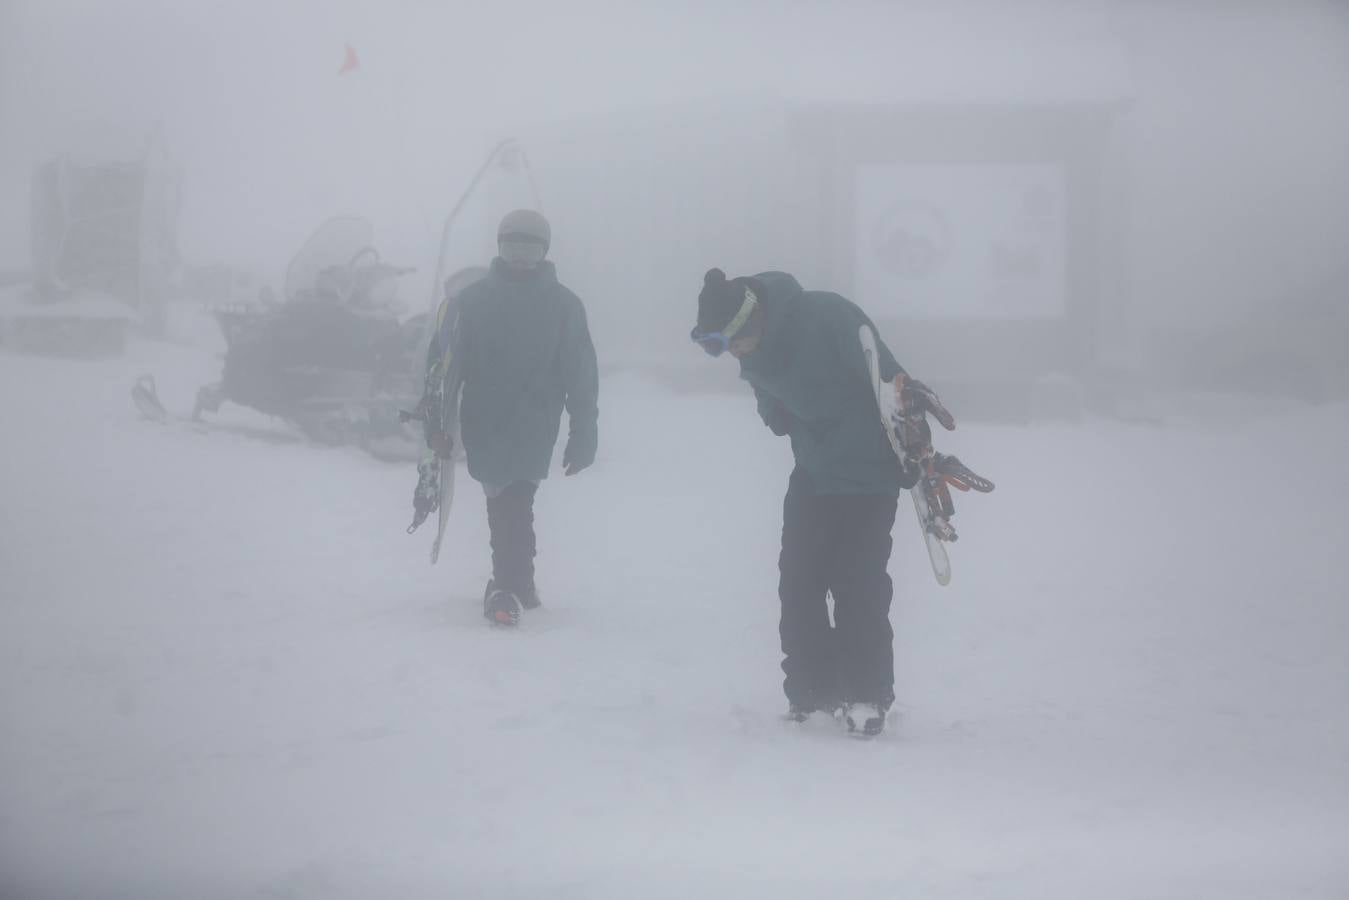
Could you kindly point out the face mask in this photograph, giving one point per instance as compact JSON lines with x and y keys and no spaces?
{"x":521,"y":254}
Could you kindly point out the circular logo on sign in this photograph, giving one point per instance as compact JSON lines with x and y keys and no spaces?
{"x":911,"y":239}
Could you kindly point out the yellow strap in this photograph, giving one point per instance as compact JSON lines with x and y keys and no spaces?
{"x":741,"y":317}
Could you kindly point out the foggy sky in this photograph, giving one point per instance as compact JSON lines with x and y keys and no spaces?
{"x":1236,"y":124}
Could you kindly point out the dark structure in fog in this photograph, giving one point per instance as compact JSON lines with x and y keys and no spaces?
{"x":1042,"y":229}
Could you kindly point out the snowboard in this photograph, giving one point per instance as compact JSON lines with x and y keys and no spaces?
{"x":927,"y":523}
{"x":439,"y":410}
{"x":434,"y":493}
{"x":447,"y":467}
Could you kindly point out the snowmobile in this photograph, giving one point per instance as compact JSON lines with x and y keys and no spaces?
{"x":331,"y":357}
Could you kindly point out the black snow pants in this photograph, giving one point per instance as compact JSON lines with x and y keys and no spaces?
{"x":510,"y":517}
{"x":839,"y":544}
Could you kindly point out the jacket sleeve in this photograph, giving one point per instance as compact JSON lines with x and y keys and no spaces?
{"x":773,"y":413}
{"x":580,"y":380}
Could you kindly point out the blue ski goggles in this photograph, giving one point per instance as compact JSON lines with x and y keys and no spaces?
{"x":715,"y":343}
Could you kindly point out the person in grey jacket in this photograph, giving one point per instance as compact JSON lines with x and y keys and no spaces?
{"x":523,"y":354}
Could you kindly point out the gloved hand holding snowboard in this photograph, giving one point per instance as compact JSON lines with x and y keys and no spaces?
{"x":906,"y":408}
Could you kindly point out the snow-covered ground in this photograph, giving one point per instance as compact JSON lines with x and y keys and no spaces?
{"x":225,"y":671}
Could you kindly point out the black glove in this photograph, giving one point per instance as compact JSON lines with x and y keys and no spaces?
{"x":913,"y":402}
{"x":917,"y":399}
{"x":910,"y":470}
{"x":580,"y":451}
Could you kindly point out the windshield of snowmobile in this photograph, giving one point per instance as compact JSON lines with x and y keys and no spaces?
{"x":323,"y":265}
{"x":469,"y":235}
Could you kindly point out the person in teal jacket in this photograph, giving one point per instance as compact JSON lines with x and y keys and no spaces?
{"x":799,"y":350}
{"x":523,"y":353}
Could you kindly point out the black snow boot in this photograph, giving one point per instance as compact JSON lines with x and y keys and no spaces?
{"x":529,"y":598}
{"x":864,"y":719}
{"x":501,"y":608}
{"x":800,"y":712}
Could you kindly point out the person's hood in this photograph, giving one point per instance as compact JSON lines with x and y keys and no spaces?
{"x":778,"y":285}
{"x":779,"y":296}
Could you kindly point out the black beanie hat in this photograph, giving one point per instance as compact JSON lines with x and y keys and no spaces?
{"x":719,"y":300}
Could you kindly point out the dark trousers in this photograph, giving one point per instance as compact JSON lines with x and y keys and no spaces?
{"x":839,"y":544}
{"x":510,"y":517}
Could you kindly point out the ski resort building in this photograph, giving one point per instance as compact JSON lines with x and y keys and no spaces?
{"x":1039,"y":233}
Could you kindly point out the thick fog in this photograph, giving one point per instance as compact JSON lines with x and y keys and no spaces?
{"x":1218,"y":188}
{"x":1112,"y":236}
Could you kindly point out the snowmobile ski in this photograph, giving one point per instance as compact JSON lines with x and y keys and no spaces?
{"x":145,"y":395}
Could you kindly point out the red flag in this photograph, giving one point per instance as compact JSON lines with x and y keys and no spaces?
{"x":351,"y":63}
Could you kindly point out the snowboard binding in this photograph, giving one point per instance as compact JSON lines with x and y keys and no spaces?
{"x":426,"y":496}
{"x":939,"y":472}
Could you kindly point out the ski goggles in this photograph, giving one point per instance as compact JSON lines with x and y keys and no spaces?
{"x":521,"y":252}
{"x":715,"y":343}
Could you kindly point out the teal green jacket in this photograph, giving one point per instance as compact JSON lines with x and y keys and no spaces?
{"x":812,"y":383}
{"x":524,"y":353}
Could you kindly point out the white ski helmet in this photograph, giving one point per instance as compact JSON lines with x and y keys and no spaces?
{"x":523,"y":237}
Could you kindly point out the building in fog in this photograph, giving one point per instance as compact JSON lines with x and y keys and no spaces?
{"x":1034,"y":229}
